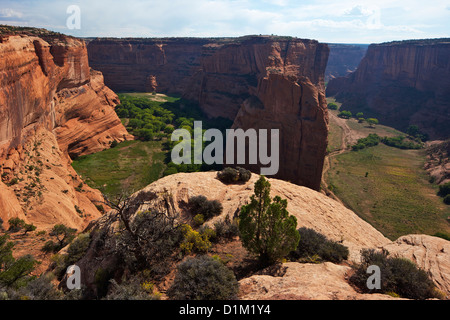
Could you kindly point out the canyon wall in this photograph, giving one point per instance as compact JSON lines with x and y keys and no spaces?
{"x":401,"y":83}
{"x":344,"y":58}
{"x":52,"y":107}
{"x":258,"y":82}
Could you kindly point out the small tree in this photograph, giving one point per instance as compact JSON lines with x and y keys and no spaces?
{"x":447,"y":199}
{"x":15,"y":224}
{"x":266,"y":228}
{"x":444,"y":189}
{"x":28,"y":228}
{"x":18,"y":272}
{"x":413,"y":130}
{"x":6,"y":250}
{"x":345,"y":114}
{"x":63,"y":234}
{"x":332,"y":106}
{"x":372,"y":122}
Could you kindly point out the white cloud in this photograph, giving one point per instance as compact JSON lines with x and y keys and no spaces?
{"x":359,"y":11}
{"x":10,"y":13}
{"x":324,"y":20}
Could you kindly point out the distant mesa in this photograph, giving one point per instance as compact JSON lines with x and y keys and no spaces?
{"x":53,"y":107}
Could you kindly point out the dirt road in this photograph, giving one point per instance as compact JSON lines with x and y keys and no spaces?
{"x":348,"y":138}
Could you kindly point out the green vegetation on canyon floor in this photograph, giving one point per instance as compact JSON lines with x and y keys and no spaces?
{"x":132,"y":165}
{"x":385,"y":185}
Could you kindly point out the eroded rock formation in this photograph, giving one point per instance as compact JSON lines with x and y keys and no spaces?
{"x":295,"y":281}
{"x":401,"y":83}
{"x":258,"y":82}
{"x":52,"y":105}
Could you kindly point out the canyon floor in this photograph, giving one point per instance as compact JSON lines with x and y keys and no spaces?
{"x":386,"y":186}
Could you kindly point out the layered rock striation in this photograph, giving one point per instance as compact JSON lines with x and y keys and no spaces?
{"x":52,"y":107}
{"x":259,"y":82}
{"x":401,"y":83}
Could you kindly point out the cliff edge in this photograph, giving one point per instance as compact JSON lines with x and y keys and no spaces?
{"x":53,"y":107}
{"x":401,"y":83}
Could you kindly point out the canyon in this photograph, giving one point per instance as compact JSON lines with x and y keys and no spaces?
{"x":53,"y":107}
{"x":259,"y":82}
{"x":401,"y":83}
{"x":343,"y":59}
{"x":56,"y":105}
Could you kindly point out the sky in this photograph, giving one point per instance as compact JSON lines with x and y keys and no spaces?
{"x":328,"y":21}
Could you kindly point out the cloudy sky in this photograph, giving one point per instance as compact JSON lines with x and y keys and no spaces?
{"x":341,"y":21}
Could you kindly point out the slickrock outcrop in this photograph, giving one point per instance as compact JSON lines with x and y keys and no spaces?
{"x":327,"y":281}
{"x":311,"y":208}
{"x":305,"y":281}
{"x":259,"y":82}
{"x":401,"y":84}
{"x":431,"y":254}
{"x":52,"y":105}
{"x":293,"y":281}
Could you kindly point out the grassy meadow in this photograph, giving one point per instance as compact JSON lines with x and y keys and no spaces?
{"x":128,"y":167}
{"x":385,"y":186}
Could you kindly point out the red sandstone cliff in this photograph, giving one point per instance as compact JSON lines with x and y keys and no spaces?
{"x":401,"y":83}
{"x":285,"y":76}
{"x":52,"y":105}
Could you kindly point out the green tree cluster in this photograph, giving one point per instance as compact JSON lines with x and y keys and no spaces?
{"x":414,"y":132}
{"x":373,"y":139}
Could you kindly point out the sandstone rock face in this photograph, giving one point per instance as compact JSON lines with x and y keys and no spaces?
{"x":431,"y":254}
{"x":305,"y":281}
{"x":52,"y":105}
{"x":293,"y":280}
{"x":401,"y":83}
{"x":312,"y":209}
{"x":258,"y":82}
{"x":344,"y":58}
